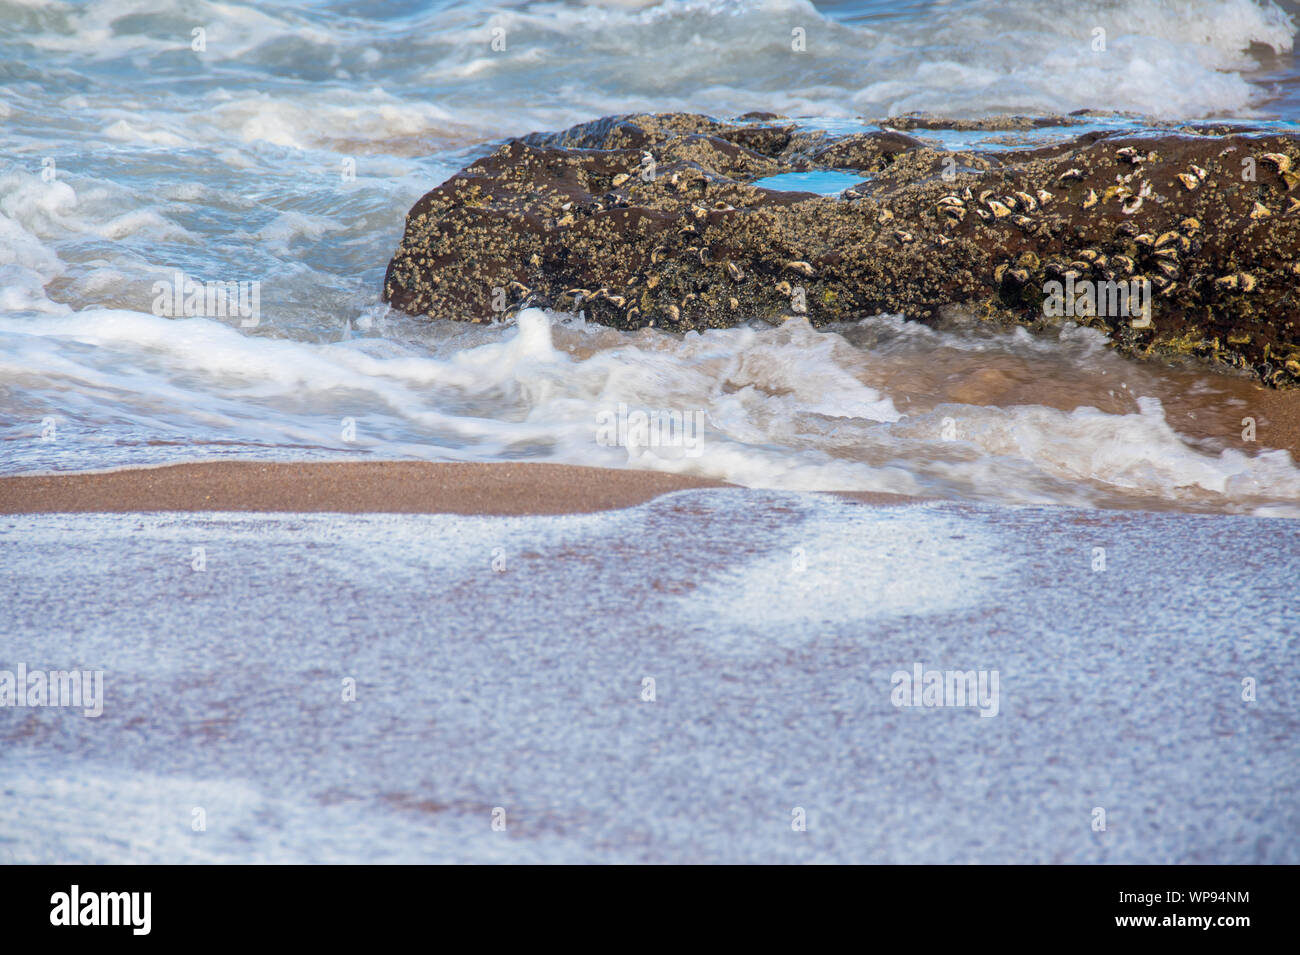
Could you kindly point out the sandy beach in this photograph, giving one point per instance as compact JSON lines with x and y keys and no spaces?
{"x":356,"y":487}
{"x":352,"y":487}
{"x":671,"y":682}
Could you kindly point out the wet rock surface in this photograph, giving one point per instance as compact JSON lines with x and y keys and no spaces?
{"x":652,"y":221}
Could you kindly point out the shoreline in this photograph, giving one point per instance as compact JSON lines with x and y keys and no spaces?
{"x":351,"y":487}
{"x":769,"y":623}
{"x":485,"y":489}
{"x":466,"y":488}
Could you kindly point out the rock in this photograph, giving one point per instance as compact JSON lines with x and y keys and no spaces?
{"x":651,"y":220}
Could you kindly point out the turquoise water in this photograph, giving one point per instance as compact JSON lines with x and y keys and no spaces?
{"x":822,"y":183}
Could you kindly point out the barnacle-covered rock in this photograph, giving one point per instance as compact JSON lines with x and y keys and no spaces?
{"x":656,"y":221}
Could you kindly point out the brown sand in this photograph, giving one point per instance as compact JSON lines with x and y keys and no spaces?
{"x":407,"y":487}
{"x":1279,"y":425}
{"x":350,"y":487}
{"x":1207,"y":409}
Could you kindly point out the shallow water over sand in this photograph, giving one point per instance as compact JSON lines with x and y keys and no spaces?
{"x":884,"y":405}
{"x":288,"y":149}
{"x":500,"y":663}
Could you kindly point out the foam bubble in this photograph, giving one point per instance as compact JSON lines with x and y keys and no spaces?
{"x":788,"y":407}
{"x":1183,"y":59}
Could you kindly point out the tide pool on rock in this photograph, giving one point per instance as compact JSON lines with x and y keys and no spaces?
{"x":826,"y":183}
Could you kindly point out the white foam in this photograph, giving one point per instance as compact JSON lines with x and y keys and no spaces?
{"x":287,"y":226}
{"x":337,"y":118}
{"x":94,"y":814}
{"x":1160,"y":59}
{"x":915,"y":561}
{"x":135,"y":133}
{"x":231,"y":29}
{"x":1169,"y":59}
{"x":783,"y":407}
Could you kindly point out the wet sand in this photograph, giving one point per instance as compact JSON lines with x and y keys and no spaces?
{"x":501,"y":664}
{"x":352,"y":487}
{"x":356,"y":487}
{"x":1208,"y":410}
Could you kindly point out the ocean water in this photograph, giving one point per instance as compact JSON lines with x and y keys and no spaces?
{"x":500,"y":663}
{"x":287,"y":150}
